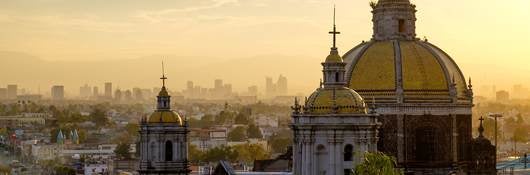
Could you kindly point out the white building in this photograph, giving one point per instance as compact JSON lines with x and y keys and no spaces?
{"x":332,"y":130}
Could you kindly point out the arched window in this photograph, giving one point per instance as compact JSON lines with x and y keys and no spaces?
{"x":169,"y":151}
{"x":337,"y":79}
{"x":348,"y":152}
{"x":322,"y":159}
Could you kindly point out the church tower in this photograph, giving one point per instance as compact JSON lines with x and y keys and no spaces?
{"x":163,"y":139}
{"x":394,"y":19}
{"x":333,"y":129}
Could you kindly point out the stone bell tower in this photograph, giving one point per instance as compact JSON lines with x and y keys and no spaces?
{"x":394,"y":19}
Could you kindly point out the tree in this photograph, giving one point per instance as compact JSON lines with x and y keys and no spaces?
{"x":280,"y":144}
{"x":132,"y":129}
{"x":238,"y":134}
{"x":250,"y":152}
{"x":254,"y":132}
{"x":123,"y":151}
{"x":489,"y":128}
{"x":221,"y":153}
{"x":241,"y":118}
{"x":63,"y":170}
{"x":195,"y":154}
{"x":99,"y":116}
{"x":520,"y":134}
{"x":377,"y":163}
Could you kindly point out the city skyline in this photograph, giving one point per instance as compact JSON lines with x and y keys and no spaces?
{"x":68,"y":62}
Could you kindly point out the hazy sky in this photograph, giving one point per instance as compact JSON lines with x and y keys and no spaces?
{"x":489,"y":39}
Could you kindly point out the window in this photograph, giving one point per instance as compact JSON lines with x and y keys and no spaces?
{"x":348,"y":153}
{"x":169,"y":151}
{"x":337,"y":79}
{"x":425,"y":144}
{"x":401,"y":26}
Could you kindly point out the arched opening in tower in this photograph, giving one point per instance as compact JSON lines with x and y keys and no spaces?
{"x":169,"y":151}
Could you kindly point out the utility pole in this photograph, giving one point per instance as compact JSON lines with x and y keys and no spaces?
{"x":495,"y":116}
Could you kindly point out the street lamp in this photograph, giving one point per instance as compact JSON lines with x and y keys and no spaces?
{"x":495,"y":116}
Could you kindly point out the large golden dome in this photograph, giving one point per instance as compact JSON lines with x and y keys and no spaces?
{"x":335,"y":100}
{"x":412,"y":70}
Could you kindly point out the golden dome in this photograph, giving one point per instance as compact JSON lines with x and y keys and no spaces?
{"x":165,"y":117}
{"x":334,"y":56}
{"x":340,"y":100}
{"x":421,"y":70}
{"x":163,"y":92}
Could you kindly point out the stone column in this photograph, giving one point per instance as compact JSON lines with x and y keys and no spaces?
{"x":454,"y":140}
{"x":400,"y":139}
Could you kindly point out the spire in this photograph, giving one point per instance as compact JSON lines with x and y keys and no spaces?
{"x":334,"y":32}
{"x":163,"y":98}
{"x":163,"y":78}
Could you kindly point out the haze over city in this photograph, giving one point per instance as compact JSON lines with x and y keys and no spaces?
{"x":50,"y":42}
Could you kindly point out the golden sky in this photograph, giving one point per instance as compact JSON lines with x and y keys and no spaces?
{"x":489,"y":39}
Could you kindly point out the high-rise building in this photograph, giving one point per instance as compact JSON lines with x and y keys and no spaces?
{"x":163,"y":140}
{"x":95,"y":91}
{"x":253,"y":90}
{"x":57,"y":92}
{"x":108,"y":90}
{"x":85,"y":91}
{"x":3,"y":93}
{"x":118,"y":95}
{"x":269,"y":87}
{"x":502,"y":96}
{"x":12,"y":91}
{"x":218,"y":84}
{"x":282,"y":85}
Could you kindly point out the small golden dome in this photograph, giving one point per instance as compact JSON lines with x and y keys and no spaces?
{"x":165,"y":117}
{"x":163,"y":92}
{"x":341,"y":100}
{"x":334,"y":56}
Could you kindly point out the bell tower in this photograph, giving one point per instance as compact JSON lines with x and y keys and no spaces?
{"x":394,"y":20}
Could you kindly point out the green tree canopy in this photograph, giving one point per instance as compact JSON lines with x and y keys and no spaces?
{"x":123,"y":151}
{"x":221,"y":153}
{"x":238,"y":134}
{"x":377,"y":163}
{"x":254,"y":132}
{"x":250,"y":152}
{"x":241,"y":118}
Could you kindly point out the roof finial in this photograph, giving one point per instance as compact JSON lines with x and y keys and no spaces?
{"x":334,"y":32}
{"x":163,"y":78}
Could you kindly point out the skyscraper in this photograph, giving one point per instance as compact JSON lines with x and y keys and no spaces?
{"x":85,"y":91}
{"x":95,"y":91}
{"x":12,"y":91}
{"x":281,"y":85}
{"x":108,"y":90}
{"x":57,"y":92}
{"x":3,"y":93}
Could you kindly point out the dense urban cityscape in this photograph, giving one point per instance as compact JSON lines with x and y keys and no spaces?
{"x":395,"y":104}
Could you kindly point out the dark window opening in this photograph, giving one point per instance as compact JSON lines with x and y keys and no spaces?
{"x":337,"y":79}
{"x":425,"y":144}
{"x":348,"y":153}
{"x":401,"y":26}
{"x":348,"y":172}
{"x":169,"y":151}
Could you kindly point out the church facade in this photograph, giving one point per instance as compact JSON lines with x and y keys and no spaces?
{"x":163,"y":140}
{"x":332,"y":129}
{"x":421,"y":95}
{"x":421,"y":105}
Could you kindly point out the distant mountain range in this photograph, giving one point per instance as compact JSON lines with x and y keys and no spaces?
{"x":30,"y":71}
